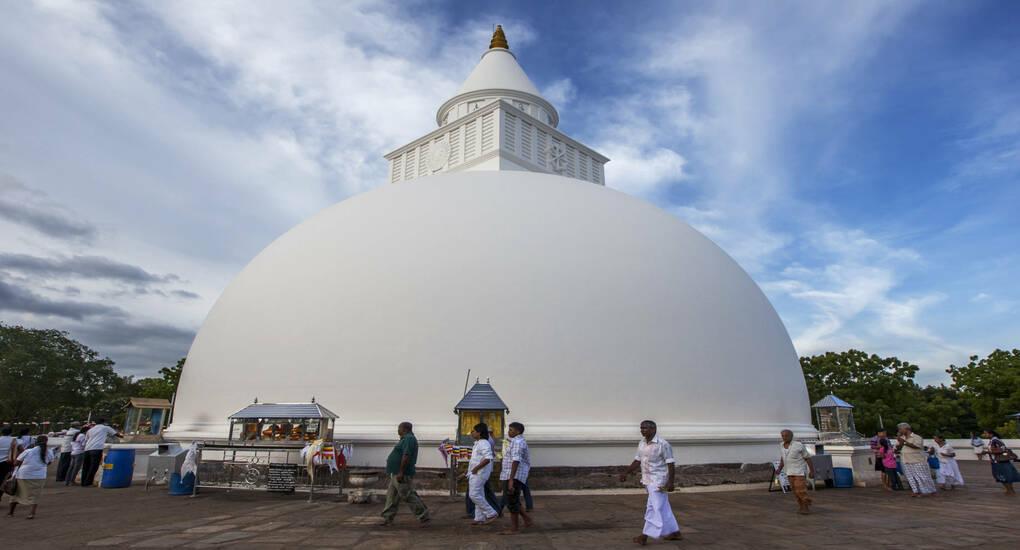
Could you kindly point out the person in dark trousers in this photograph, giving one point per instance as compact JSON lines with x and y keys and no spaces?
{"x":65,"y":451}
{"x":95,"y":440}
{"x":77,"y":456}
{"x":400,"y":467}
{"x":514,"y":476}
{"x":8,"y":453}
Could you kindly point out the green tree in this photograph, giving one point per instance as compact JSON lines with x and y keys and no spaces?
{"x":165,"y":386}
{"x":46,"y":375}
{"x":992,"y":386}
{"x":877,"y":387}
{"x":941,"y":410}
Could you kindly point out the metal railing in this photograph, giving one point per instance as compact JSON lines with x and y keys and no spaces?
{"x":247,"y":467}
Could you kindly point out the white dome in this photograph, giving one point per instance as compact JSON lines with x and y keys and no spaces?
{"x":588,"y":309}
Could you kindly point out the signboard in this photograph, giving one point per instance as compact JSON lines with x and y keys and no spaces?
{"x":281,"y":478}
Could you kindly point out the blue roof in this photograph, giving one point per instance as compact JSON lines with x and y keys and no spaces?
{"x":481,"y":397}
{"x":831,"y":401}
{"x":284,"y":410}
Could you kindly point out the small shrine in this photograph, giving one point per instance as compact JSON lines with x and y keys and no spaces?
{"x":294,"y":423}
{"x":146,"y":416}
{"x":480,"y":404}
{"x":835,"y":418}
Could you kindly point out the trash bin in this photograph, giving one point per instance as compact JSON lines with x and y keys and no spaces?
{"x":843,"y":478}
{"x":118,"y":468}
{"x":182,"y":486}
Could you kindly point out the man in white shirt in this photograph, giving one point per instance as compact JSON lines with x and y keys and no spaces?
{"x":77,"y":458}
{"x":95,"y":440}
{"x":490,"y":496}
{"x":915,"y":461}
{"x":479,"y":471}
{"x":25,"y":440}
{"x":658,"y":473}
{"x":514,"y":476}
{"x":795,"y":462}
{"x":65,"y":451}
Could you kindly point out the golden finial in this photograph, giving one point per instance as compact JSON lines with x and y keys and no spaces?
{"x":498,"y":39}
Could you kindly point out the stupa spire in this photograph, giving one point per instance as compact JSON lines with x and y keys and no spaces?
{"x":498,"y":39}
{"x":498,"y":120}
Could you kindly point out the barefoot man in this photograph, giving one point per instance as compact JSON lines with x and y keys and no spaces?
{"x":795,"y":463}
{"x":400,"y":467}
{"x":655,"y":458}
{"x":514,"y":476}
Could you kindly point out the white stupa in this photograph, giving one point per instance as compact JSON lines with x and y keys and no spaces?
{"x":498,"y":248}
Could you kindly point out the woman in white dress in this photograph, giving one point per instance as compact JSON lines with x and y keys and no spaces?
{"x":949,"y":471}
{"x":479,"y":470}
{"x":31,"y":476}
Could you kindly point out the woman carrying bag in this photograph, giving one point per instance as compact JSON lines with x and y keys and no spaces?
{"x":1002,"y":462}
{"x":31,"y":475}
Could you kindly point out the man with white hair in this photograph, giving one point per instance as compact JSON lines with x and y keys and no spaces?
{"x":915,"y":461}
{"x":795,"y":462}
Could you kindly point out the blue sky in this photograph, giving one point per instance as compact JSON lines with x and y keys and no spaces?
{"x":859,"y":159}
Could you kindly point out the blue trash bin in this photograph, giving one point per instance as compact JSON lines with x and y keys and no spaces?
{"x":118,"y":468}
{"x":843,"y":478}
{"x":179,"y":486}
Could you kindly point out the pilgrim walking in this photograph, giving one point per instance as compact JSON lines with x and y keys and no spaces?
{"x":891,"y":477}
{"x":658,"y":473}
{"x":31,"y":476}
{"x":400,"y":467}
{"x":915,"y":461}
{"x":490,"y":496}
{"x":513,"y":475}
{"x":949,"y":475}
{"x":796,"y":463}
{"x":479,"y":471}
{"x":1001,"y":457}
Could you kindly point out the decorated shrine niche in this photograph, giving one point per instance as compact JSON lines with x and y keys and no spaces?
{"x":481,"y":403}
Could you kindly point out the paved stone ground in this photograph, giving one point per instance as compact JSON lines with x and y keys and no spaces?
{"x":850,"y":518}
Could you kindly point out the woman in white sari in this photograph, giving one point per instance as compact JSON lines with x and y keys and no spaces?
{"x":948,"y":474}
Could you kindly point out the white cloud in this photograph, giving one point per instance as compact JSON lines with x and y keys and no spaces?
{"x":642,"y":172}
{"x":560,"y":92}
{"x":724,"y":90}
{"x":192,"y":134}
{"x":855,"y":299}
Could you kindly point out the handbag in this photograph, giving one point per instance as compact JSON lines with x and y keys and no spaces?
{"x":1007,"y":453}
{"x":10,"y":485}
{"x":1011,"y":456}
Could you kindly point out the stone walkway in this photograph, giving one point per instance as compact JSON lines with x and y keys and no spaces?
{"x":850,"y":518}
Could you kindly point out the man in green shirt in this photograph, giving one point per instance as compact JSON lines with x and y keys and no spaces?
{"x":400,"y":468}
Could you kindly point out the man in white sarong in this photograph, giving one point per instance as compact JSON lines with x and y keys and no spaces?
{"x":949,"y":475}
{"x":655,"y":458}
